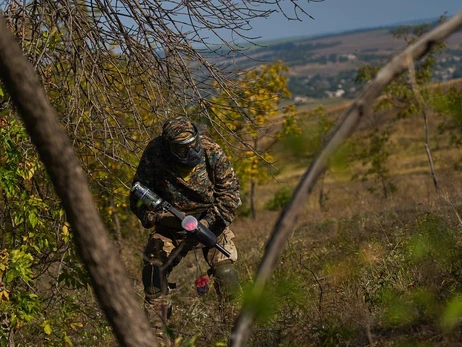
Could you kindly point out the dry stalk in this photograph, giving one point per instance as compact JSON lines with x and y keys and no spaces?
{"x":423,"y":107}
{"x":445,"y":196}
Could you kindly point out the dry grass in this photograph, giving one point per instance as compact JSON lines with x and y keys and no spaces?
{"x":346,"y":276}
{"x":327,"y":280}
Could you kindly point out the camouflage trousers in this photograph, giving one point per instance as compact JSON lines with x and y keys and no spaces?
{"x":164,"y":243}
{"x":165,"y":249}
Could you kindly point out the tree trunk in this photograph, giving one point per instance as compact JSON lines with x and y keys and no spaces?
{"x":252,"y":199}
{"x":116,"y":226}
{"x":110,"y":283}
{"x":322,"y":194}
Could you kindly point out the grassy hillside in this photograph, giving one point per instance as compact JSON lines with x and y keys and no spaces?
{"x":362,"y":270}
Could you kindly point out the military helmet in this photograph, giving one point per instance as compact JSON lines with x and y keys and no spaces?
{"x":182,"y":140}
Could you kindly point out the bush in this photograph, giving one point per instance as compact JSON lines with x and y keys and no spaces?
{"x":280,"y":200}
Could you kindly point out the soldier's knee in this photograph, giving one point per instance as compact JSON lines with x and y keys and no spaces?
{"x":226,"y":279}
{"x":154,"y":280}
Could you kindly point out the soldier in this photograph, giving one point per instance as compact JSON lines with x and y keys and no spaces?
{"x":191,"y":172}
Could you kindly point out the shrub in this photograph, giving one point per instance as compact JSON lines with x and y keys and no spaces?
{"x":280,"y":199}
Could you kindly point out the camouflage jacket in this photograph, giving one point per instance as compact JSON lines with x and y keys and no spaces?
{"x":212,"y":190}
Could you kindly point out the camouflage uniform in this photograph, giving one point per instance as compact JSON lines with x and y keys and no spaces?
{"x":210,"y":192}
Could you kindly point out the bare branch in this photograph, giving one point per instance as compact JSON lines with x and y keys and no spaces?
{"x":423,"y":106}
{"x":116,"y":67}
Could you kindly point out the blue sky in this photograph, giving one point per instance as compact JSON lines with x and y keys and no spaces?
{"x":331,"y":16}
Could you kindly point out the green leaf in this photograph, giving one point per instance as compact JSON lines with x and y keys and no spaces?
{"x":33,"y":220}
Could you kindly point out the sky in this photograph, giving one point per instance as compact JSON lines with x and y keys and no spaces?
{"x":332,"y":16}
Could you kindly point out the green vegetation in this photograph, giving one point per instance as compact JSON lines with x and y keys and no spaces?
{"x":375,"y":259}
{"x":259,"y":97}
{"x":280,"y":200}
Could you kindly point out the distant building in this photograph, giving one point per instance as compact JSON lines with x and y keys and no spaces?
{"x":337,"y":94}
{"x":349,"y":57}
{"x":301,"y":99}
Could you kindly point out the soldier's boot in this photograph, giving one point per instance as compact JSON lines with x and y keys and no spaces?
{"x":158,"y":306}
{"x":226,"y":280}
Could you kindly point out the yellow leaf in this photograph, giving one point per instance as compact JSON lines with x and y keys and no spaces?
{"x":68,"y":340}
{"x":18,"y":325}
{"x":65,"y":229}
{"x":47,"y":328}
{"x":77,"y":325}
{"x":4,"y":294}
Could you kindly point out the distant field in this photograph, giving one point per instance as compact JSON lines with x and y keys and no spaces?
{"x":380,"y":40}
{"x":329,"y":69}
{"x":377,"y":42}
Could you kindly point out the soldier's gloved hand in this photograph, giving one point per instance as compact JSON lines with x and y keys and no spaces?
{"x":149,"y":219}
{"x":168,"y":219}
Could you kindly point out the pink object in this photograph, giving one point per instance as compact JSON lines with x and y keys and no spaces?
{"x":189,"y":223}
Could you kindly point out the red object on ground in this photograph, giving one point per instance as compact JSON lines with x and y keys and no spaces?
{"x":201,"y":285}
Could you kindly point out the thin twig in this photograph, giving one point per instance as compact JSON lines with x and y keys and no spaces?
{"x":423,"y":107}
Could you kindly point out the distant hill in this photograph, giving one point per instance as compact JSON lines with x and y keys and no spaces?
{"x":325,"y":65}
{"x":415,"y":22}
